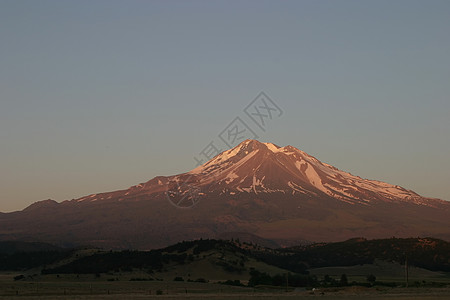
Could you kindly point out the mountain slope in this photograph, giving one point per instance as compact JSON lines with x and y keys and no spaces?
{"x":280,"y":194}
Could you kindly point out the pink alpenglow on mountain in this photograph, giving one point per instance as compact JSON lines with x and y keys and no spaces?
{"x":276,"y":196}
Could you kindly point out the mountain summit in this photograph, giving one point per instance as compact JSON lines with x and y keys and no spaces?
{"x":258,"y":167}
{"x":260,"y":191}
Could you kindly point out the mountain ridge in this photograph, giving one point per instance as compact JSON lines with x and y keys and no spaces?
{"x":278,"y":194}
{"x":161,"y":181}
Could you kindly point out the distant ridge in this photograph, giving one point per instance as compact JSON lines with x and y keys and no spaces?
{"x":10,"y":247}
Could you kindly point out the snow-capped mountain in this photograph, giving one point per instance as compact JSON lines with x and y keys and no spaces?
{"x":276,"y":193}
{"x":255,"y":167}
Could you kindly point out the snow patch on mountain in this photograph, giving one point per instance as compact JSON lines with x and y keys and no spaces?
{"x":272,"y":147}
{"x":231,"y":177}
{"x":314,"y":178}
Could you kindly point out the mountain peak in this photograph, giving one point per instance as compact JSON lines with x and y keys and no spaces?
{"x":255,"y":144}
{"x":251,"y":145}
{"x":255,"y":167}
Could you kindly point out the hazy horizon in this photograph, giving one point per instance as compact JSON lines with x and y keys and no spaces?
{"x":97,"y":96}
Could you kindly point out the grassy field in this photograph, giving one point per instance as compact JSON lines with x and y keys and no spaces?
{"x":93,"y":287}
{"x":385,"y":272}
{"x":200,"y":273}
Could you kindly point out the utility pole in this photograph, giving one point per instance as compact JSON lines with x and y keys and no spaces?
{"x":287,"y":281}
{"x":406,"y":270}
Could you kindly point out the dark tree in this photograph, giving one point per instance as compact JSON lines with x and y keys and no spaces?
{"x":371,"y":278}
{"x":344,"y":280}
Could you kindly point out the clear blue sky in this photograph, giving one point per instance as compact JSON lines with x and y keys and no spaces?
{"x":100,"y":95}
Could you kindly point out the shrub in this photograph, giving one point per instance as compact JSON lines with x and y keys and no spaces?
{"x":19,"y":277}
